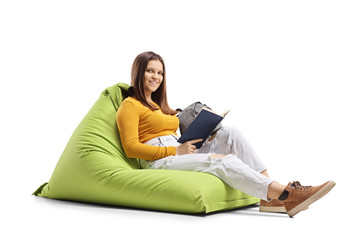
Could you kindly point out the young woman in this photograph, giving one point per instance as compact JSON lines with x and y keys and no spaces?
{"x":147,"y":127}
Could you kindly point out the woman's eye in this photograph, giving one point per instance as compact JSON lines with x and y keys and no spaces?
{"x":150,"y":71}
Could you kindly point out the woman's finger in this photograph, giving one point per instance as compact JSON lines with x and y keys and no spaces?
{"x":194,"y":141}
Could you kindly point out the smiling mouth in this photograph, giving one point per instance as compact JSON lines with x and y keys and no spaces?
{"x":153,"y":83}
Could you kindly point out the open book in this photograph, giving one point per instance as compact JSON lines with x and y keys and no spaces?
{"x":202,"y":126}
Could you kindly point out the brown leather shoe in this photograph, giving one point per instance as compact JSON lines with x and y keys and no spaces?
{"x":300,"y":197}
{"x":274,"y":206}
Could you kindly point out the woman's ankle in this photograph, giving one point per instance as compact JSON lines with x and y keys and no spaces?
{"x":275,"y":190}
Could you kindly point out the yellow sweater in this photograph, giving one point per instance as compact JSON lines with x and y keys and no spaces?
{"x":138,"y":124}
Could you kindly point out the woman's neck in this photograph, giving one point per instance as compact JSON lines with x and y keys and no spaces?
{"x":148,"y":98}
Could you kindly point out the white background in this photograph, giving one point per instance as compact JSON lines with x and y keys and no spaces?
{"x":288,"y":70}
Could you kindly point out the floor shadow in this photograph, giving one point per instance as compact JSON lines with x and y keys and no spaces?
{"x":256,"y":212}
{"x":252,"y":210}
{"x":108,"y":206}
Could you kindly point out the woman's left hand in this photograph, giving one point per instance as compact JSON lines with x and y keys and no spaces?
{"x":187,"y":147}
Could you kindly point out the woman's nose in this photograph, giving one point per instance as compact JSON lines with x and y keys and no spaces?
{"x":156,"y":76}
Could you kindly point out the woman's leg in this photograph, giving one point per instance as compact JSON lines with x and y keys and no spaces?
{"x":239,"y":175}
{"x":229,"y":140}
{"x":230,"y":169}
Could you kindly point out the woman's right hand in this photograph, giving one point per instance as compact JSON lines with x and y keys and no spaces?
{"x":187,"y":147}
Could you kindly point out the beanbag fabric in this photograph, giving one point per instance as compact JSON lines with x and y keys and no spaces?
{"x":94,"y":168}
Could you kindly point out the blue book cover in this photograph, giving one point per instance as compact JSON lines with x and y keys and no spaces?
{"x":202,"y":126}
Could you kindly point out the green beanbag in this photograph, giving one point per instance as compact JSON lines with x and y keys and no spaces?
{"x":94,"y":168}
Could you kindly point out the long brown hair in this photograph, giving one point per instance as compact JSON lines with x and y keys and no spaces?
{"x":137,"y":84}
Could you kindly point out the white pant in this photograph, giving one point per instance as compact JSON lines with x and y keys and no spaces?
{"x":240,"y":168}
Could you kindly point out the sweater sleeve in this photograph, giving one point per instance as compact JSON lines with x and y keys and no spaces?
{"x":127,"y":119}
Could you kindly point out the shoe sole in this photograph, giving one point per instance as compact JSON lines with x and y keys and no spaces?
{"x":272,"y":209}
{"x":275,"y":209}
{"x":319,"y":194}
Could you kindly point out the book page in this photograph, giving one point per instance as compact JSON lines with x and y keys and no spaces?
{"x":226,"y":112}
{"x":222,"y":115}
{"x":210,"y":110}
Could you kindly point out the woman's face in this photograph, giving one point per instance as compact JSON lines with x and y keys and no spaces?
{"x":153,"y":76}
